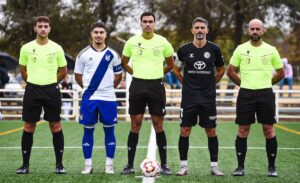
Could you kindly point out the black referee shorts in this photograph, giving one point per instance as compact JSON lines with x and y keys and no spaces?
{"x":37,"y":97}
{"x":255,"y":102}
{"x":147,"y":92}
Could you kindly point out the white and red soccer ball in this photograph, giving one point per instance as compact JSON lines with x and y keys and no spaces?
{"x":150,"y":167}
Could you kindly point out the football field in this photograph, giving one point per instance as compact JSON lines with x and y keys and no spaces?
{"x":42,"y":162}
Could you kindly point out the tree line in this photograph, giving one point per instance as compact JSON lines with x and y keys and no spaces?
{"x":227,"y":22}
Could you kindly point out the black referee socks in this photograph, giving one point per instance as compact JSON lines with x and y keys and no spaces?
{"x":132,"y":142}
{"x":161,"y":142}
{"x":26,"y":143}
{"x":213,"y":147}
{"x":58,"y":143}
{"x":183,"y":145}
{"x":271,"y":148}
{"x":241,"y":149}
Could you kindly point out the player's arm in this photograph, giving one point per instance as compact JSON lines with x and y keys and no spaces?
{"x":232,"y":74}
{"x":278,"y":76}
{"x":177,"y":73}
{"x":62,"y":72}
{"x":219,"y":74}
{"x":23,"y":70}
{"x":125,"y":61}
{"x":117,"y":80}
{"x":78,"y":79}
{"x":169,"y":64}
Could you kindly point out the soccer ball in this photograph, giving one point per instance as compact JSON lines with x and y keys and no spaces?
{"x":150,"y":167}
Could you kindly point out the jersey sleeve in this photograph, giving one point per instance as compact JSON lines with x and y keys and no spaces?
{"x":127,"y":48}
{"x":276,"y":60}
{"x":61,"y":59}
{"x":117,"y":67}
{"x":23,"y":60}
{"x":179,"y":58}
{"x":235,"y":60}
{"x":168,"y":49}
{"x":79,"y":64}
{"x":219,"y":61}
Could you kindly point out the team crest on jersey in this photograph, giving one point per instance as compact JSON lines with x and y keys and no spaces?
{"x":206,"y":55}
{"x":191,"y":55}
{"x":264,"y":60}
{"x":50,"y":58}
{"x":90,"y":59}
{"x":107,"y":57}
{"x":156,"y":52}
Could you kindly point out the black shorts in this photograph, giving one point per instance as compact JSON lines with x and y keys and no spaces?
{"x":147,"y":92}
{"x":205,"y":112}
{"x":37,"y":97}
{"x":260,"y":102}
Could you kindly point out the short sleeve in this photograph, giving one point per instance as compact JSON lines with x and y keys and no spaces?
{"x":79,"y":64}
{"x":61,"y":59}
{"x":219,"y":61}
{"x":127,"y":49}
{"x":117,"y":67}
{"x":168,"y":49}
{"x":276,"y":60}
{"x":179,"y":58}
{"x":235,"y":60}
{"x":23,"y":56}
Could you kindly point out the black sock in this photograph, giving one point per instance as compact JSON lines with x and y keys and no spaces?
{"x":241,"y":150}
{"x":26,"y":142}
{"x":132,"y":142}
{"x":271,"y":147}
{"x":161,"y":142}
{"x":183,"y":146}
{"x":213,"y":147}
{"x":58,"y":143}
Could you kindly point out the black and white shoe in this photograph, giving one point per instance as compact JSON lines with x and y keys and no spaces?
{"x":165,"y":170}
{"x":239,"y":171}
{"x":128,"y":169}
{"x":24,"y":169}
{"x":60,"y":169}
{"x":272,"y":172}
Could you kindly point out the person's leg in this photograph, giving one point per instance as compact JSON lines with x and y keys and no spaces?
{"x":58,"y":143}
{"x":110,"y":146}
{"x":183,"y":147}
{"x":87,"y":148}
{"x":213,"y":146}
{"x":290,"y":83}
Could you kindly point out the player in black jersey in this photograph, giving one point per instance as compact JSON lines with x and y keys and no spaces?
{"x":199,"y":60}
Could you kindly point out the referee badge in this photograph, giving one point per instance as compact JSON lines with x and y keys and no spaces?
{"x":156,"y":52}
{"x":264,"y":60}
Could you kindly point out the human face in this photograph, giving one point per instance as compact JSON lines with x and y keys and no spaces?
{"x":199,"y":30}
{"x":98,"y":35}
{"x":147,"y":24}
{"x":255,"y":30}
{"x":42,"y":29}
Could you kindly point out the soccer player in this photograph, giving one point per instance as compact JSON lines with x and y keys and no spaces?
{"x":98,"y":71}
{"x":43,"y":66}
{"x":199,"y":59}
{"x":255,"y":59}
{"x":147,"y":53}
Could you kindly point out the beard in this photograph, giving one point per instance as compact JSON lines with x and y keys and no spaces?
{"x":200,"y":36}
{"x":255,"y":37}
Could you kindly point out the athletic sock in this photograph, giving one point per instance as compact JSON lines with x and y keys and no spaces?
{"x":241,"y":150}
{"x":27,"y":140}
{"x":161,"y":142}
{"x":88,"y":142}
{"x":183,"y":146}
{"x":213,"y":147}
{"x":271,"y":147}
{"x":58,"y":143}
{"x":132,"y":142}
{"x":110,"y":141}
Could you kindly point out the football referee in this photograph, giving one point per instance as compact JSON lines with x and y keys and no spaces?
{"x":42,"y":65}
{"x":148,"y":52}
{"x":256,"y":60}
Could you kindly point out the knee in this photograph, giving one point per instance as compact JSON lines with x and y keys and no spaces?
{"x":55,"y":127}
{"x":135,"y":128}
{"x":29,"y":127}
{"x":243,"y":132}
{"x":185,"y":131}
{"x":158,"y":127}
{"x":210,"y":132}
{"x":269,"y":132}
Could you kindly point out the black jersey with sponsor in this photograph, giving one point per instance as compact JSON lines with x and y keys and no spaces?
{"x":199,"y":71}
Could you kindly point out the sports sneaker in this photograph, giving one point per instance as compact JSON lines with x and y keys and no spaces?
{"x":60,"y":169}
{"x":183,"y":170}
{"x":88,"y":169}
{"x":24,"y":169}
{"x":239,"y":171}
{"x":215,"y":171}
{"x":128,"y":169}
{"x":109,"y":169}
{"x":272,"y":172}
{"x":165,"y":170}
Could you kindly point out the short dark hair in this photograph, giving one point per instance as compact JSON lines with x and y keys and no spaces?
{"x":200,"y":19}
{"x":147,"y":13}
{"x":98,"y":24}
{"x":41,"y":19}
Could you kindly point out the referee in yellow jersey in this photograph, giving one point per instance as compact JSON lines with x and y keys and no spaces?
{"x":148,"y":52}
{"x":42,"y":65}
{"x":256,"y":60}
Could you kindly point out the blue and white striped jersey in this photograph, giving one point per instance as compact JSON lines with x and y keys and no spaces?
{"x":98,"y":69}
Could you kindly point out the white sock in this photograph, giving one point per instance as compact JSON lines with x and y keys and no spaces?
{"x":109,"y":161}
{"x":183,"y":163}
{"x":213,"y":164}
{"x":88,"y":162}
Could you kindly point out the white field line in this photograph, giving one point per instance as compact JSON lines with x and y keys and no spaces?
{"x":145,"y":147}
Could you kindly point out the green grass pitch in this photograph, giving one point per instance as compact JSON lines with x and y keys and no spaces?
{"x":43,"y":161}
